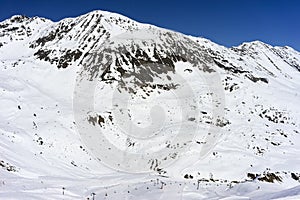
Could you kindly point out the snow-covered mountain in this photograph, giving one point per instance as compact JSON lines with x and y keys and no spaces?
{"x":101,"y":106}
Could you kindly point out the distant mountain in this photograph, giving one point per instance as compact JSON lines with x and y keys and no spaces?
{"x":86,"y":101}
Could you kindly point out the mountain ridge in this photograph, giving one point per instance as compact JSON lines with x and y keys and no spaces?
{"x":98,"y":12}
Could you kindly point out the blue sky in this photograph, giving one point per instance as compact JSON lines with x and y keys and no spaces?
{"x":227,"y":22}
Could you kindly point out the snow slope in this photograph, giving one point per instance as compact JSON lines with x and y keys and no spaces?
{"x":191,"y":119}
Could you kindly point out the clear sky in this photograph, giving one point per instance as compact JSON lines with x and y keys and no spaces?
{"x":227,"y":22}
